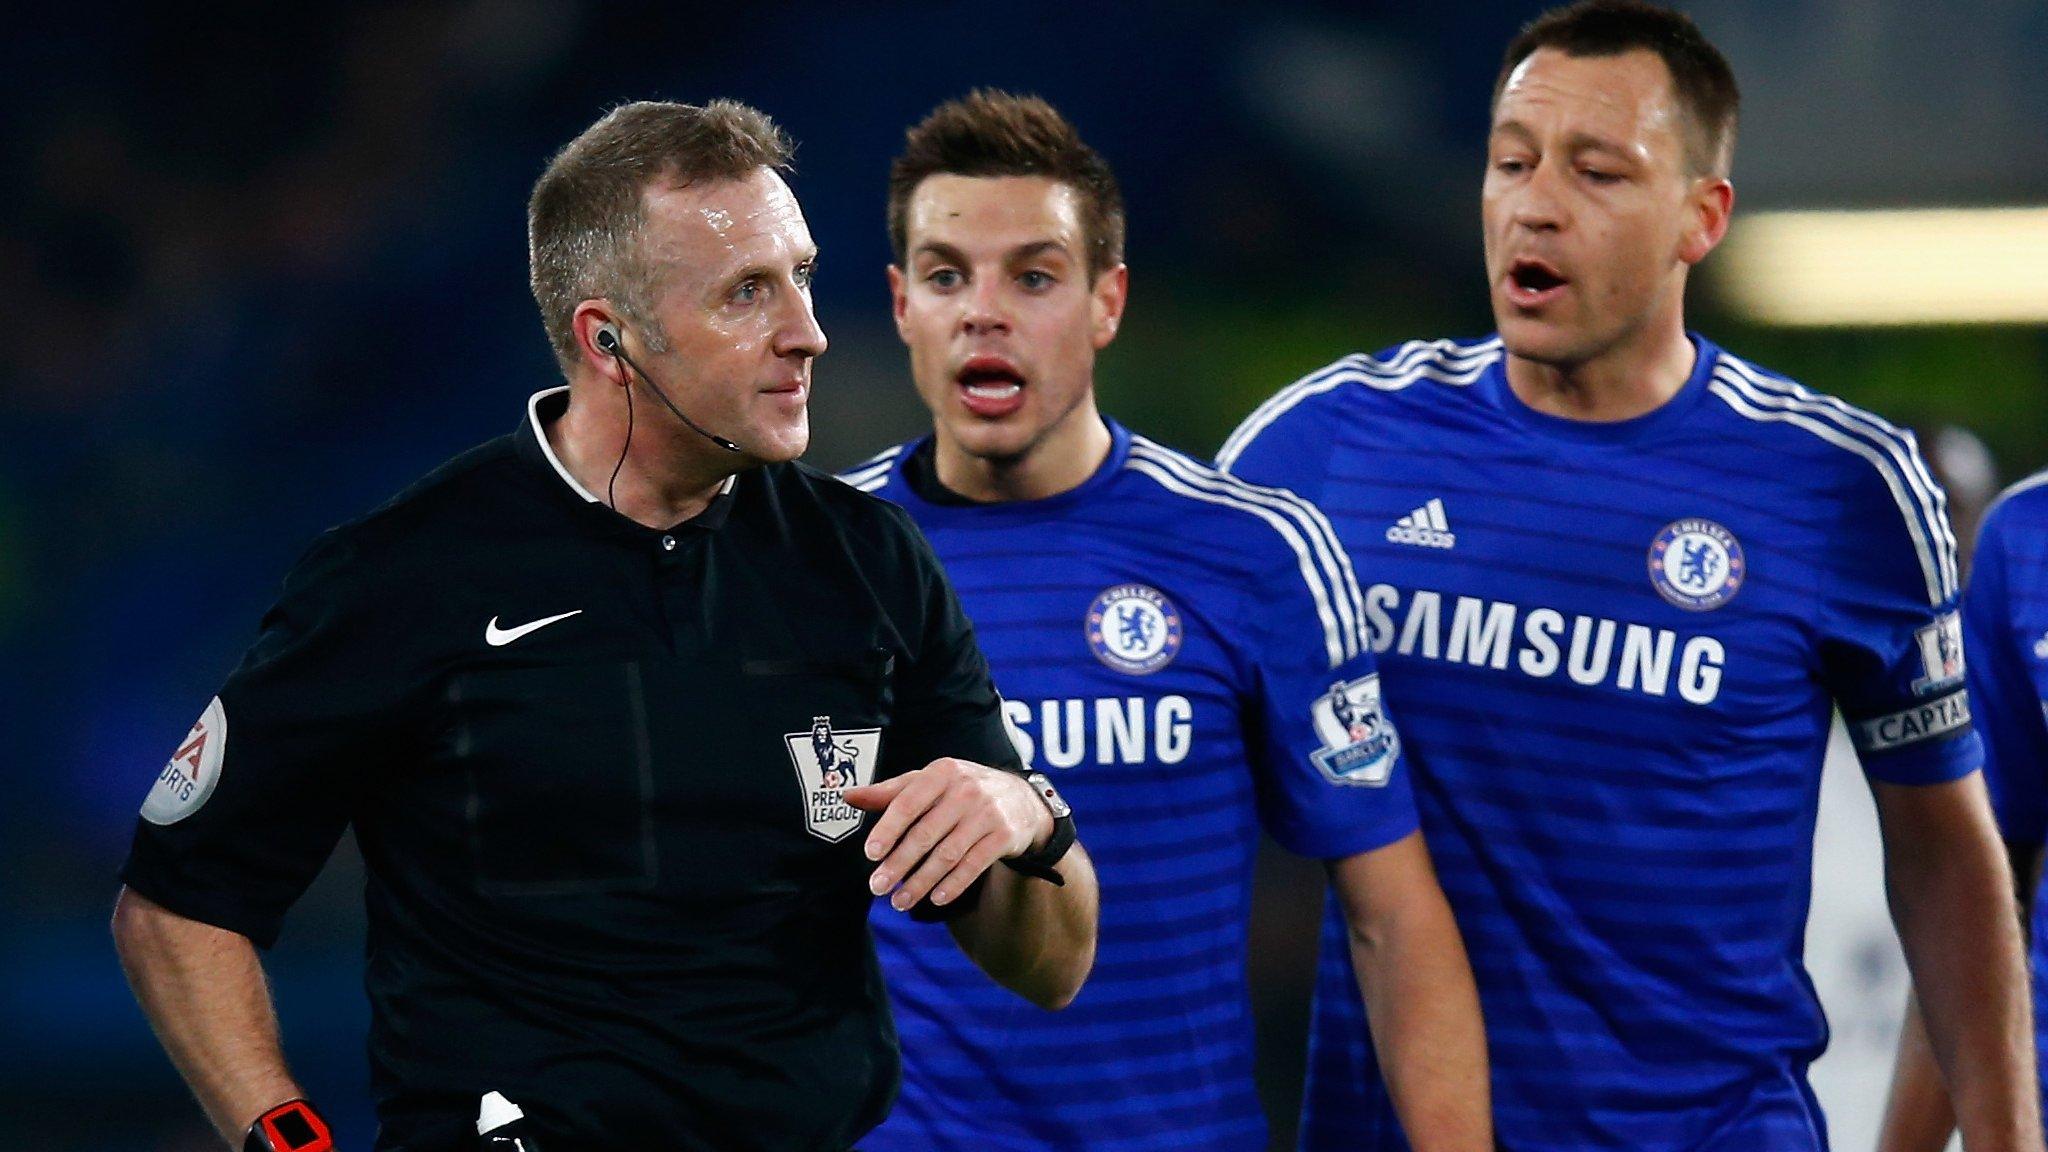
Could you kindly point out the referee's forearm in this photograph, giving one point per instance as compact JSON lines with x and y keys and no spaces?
{"x":1035,"y":938}
{"x":204,"y":993}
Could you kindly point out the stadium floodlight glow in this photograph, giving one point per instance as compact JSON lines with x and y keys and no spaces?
{"x":1850,"y":269}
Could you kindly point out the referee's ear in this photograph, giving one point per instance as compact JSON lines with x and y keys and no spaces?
{"x":591,"y":316}
{"x":1112,"y":289}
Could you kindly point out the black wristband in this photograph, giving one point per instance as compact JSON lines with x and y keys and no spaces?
{"x":292,"y":1126}
{"x":1039,"y":864}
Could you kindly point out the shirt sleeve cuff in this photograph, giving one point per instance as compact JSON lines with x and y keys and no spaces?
{"x":155,"y":883}
{"x":1334,"y":843}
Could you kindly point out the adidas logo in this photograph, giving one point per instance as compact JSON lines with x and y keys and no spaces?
{"x":1426,"y":527}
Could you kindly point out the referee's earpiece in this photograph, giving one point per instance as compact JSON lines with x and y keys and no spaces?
{"x":606,"y":338}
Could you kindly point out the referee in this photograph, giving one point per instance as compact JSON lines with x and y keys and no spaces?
{"x":609,"y":703}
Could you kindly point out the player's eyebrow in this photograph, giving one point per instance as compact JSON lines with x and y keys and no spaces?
{"x":1514,"y":128}
{"x":1038,"y":248}
{"x":940,"y":250}
{"x":1588,"y":142}
{"x":1578,"y":141}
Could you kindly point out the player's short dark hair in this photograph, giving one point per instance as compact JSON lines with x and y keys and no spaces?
{"x":992,"y":133}
{"x":1700,"y":75}
{"x":584,"y":219}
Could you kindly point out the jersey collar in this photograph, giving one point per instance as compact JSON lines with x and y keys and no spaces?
{"x":556,"y":400}
{"x":545,"y":407}
{"x":915,"y":461}
{"x":1494,"y":384}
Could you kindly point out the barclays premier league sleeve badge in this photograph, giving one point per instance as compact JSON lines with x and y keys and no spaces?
{"x":1359,"y":744}
{"x":193,"y":771}
{"x":1941,"y":654}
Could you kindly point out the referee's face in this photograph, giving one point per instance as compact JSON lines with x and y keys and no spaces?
{"x":1001,"y":315}
{"x":733,"y":262}
{"x":1592,"y":215}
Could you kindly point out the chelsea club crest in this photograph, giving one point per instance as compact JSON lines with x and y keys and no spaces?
{"x":1133,"y":628}
{"x":1697,"y":565}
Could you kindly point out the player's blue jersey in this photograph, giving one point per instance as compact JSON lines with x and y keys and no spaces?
{"x":2005,"y":631}
{"x":1183,"y":654}
{"x":1614,"y":649}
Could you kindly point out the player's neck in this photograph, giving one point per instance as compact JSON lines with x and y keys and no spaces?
{"x":665,"y":479}
{"x":1060,"y":462}
{"x":1632,"y":379}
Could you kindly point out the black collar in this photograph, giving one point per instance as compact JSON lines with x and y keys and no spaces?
{"x":544,"y":408}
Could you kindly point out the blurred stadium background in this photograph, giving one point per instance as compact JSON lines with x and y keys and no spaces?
{"x":266,"y":265}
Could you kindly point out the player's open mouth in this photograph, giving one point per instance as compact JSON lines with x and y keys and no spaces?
{"x":991,"y":387}
{"x":1532,"y":283}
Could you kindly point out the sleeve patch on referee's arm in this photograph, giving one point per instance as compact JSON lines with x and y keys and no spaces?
{"x":1928,"y":721}
{"x":193,"y":770}
{"x":1359,"y":744}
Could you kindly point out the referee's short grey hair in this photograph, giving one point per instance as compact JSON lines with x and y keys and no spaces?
{"x":584,"y":220}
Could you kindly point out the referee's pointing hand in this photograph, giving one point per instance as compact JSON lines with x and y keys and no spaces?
{"x":943,"y":825}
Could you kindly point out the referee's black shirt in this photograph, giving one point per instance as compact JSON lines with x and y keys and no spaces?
{"x":608,"y":875}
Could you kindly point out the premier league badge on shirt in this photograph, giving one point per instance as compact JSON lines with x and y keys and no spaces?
{"x":828,"y":763}
{"x":1133,"y":628}
{"x":1359,"y":743}
{"x":1941,"y":654}
{"x":1696,"y":565}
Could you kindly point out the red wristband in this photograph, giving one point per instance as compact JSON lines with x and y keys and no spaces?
{"x":292,"y":1126}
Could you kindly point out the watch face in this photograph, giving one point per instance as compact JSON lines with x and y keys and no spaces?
{"x":1050,"y":795}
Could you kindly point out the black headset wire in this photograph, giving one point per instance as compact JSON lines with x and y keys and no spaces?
{"x":607,"y":341}
{"x":611,"y":486}
{"x":618,"y":352}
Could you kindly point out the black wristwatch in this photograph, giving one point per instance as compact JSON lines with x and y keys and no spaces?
{"x":1040,"y":863}
{"x":292,"y":1126}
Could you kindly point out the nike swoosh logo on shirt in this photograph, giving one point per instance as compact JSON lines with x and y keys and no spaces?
{"x":498,"y":637}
